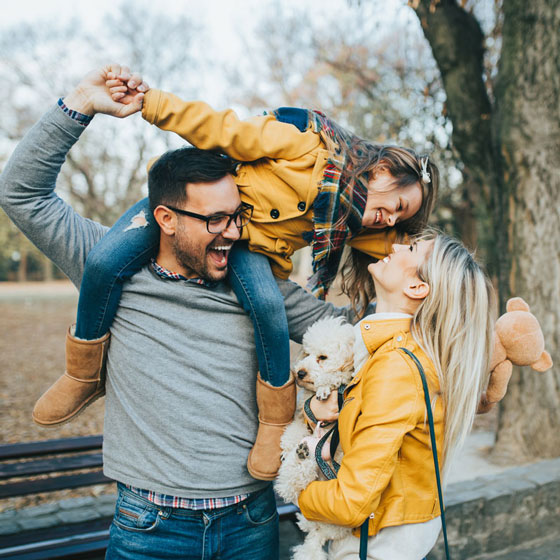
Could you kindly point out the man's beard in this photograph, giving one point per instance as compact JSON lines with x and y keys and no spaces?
{"x":194,"y":258}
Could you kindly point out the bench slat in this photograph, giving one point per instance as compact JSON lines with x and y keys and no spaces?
{"x":51,"y":484}
{"x":47,"y":466}
{"x":49,"y":447}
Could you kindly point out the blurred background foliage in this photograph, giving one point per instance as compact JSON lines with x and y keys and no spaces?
{"x":379,"y":79}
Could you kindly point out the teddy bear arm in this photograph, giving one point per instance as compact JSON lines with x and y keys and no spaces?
{"x":499,"y":379}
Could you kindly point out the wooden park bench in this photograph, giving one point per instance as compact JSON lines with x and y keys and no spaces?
{"x":46,"y":466}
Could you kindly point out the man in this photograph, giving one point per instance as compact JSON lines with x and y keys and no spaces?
{"x":180,"y":414}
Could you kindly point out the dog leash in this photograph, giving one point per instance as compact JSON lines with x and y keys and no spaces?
{"x":328,"y":471}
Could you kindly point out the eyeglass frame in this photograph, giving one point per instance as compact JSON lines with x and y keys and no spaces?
{"x":231,"y":217}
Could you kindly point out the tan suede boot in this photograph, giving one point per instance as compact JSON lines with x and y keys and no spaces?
{"x":83,"y":381}
{"x":277,"y":406}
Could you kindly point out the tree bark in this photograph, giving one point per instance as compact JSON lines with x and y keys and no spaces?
{"x":457,"y":44}
{"x":527,"y":131}
{"x":512,"y":151}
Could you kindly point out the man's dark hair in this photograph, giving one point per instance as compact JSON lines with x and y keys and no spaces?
{"x":174,"y":169}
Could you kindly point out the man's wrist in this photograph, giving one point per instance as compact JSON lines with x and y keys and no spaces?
{"x":74,"y":114}
{"x":78,"y":100}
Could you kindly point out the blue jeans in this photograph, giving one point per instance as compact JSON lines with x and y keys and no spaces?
{"x":128,"y":246}
{"x":244,"y":531}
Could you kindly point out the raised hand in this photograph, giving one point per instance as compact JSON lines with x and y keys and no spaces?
{"x":92,"y":95}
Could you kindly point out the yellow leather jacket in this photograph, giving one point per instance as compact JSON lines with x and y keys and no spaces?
{"x":387,"y":472}
{"x":281,"y":177}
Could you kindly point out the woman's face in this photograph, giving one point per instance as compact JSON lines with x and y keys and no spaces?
{"x":387,"y":203}
{"x":397,"y":271}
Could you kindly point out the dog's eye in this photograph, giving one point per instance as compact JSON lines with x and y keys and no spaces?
{"x":321,"y":358}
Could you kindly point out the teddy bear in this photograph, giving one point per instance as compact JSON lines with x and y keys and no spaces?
{"x":518,"y":340}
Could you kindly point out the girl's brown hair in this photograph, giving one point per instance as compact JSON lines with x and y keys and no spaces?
{"x":407,"y":169}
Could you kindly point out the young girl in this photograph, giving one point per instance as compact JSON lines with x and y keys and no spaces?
{"x":434,"y":301}
{"x":310,"y":182}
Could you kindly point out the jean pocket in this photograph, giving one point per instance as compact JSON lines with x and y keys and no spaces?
{"x":261,"y":509}
{"x":135,"y":515}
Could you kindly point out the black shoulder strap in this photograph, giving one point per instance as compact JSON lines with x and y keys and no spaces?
{"x":365,"y":526}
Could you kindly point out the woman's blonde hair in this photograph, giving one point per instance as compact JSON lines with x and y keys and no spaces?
{"x":454,"y":326}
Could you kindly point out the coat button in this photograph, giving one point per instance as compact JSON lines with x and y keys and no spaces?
{"x":399,"y":338}
{"x":301,"y":206}
{"x":274,"y":214}
{"x":366,"y":327}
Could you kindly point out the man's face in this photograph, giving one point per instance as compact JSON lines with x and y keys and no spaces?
{"x":198,"y":253}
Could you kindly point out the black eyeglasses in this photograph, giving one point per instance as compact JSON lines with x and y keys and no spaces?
{"x":217,"y":223}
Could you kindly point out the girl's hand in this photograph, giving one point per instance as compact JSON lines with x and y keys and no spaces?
{"x":327,"y":410}
{"x":124,"y":86}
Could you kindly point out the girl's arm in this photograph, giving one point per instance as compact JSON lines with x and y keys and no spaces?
{"x":375,"y":243}
{"x":207,"y":129}
{"x":390,"y":408}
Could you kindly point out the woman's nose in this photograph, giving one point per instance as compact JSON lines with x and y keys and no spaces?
{"x":391,"y":220}
{"x":397,"y":247}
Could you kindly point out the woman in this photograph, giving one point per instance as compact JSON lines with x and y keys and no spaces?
{"x":309,"y":182}
{"x":435,"y":301}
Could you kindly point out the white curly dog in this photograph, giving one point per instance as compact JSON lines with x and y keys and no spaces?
{"x":327,"y":361}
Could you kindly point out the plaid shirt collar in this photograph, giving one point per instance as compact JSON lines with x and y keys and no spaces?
{"x":167,"y":274}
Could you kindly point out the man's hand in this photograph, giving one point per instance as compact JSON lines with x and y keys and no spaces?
{"x":92,"y":95}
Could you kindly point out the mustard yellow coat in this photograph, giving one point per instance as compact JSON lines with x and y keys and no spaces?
{"x":387,"y":469}
{"x":281,"y":177}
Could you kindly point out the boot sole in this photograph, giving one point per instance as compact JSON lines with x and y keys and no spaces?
{"x":72,"y":415}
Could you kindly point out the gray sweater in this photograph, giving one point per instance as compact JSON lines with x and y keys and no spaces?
{"x":180,"y":411}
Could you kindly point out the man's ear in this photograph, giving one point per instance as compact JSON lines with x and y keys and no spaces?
{"x":166,"y":219}
{"x":416,"y":289}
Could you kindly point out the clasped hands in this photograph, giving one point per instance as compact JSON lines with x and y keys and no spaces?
{"x":113,"y":90}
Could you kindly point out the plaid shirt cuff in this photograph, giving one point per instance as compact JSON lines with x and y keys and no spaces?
{"x":80,"y":118}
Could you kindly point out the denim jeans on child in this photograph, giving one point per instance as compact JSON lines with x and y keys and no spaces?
{"x":142,"y":530}
{"x":128,"y":246}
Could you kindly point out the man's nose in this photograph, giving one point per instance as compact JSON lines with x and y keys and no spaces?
{"x":232,"y":232}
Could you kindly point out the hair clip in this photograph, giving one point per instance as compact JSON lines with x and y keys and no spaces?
{"x":424,"y":170}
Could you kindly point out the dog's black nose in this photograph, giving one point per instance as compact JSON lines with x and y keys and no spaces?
{"x":301,"y":373}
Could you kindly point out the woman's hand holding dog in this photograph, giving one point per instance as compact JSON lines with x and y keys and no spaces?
{"x":326,"y":410}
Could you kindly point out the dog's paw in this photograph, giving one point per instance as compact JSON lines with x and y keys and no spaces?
{"x":302,"y":451}
{"x":323,"y":393}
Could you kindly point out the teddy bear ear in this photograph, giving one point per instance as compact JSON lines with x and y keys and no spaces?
{"x":543,"y":363}
{"x":517,"y":304}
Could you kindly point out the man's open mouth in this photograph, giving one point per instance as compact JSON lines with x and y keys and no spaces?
{"x":220,"y":254}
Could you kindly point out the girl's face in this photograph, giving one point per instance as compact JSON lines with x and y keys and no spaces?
{"x":387,"y":203}
{"x":396,"y":276}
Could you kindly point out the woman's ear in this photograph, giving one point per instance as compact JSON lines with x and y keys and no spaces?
{"x":166,"y":219}
{"x":416,"y":289}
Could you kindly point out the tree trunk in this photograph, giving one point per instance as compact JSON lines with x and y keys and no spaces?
{"x":48,"y":269}
{"x":457,"y":44}
{"x":22,"y":266}
{"x":527,"y":131}
{"x":512,"y":151}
